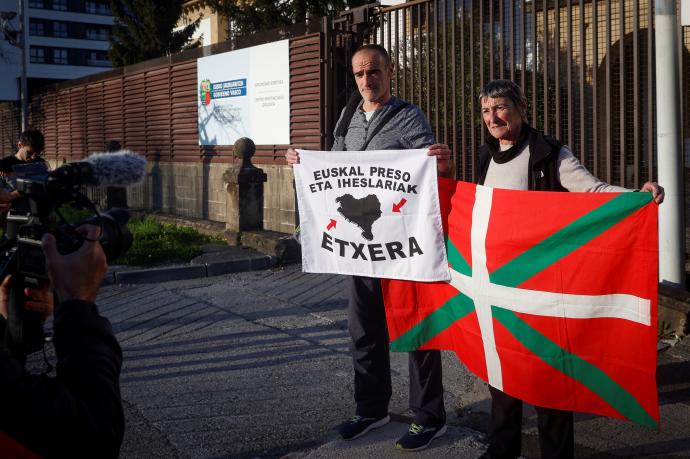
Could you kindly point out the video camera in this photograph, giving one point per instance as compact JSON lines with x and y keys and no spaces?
{"x":39,"y":210}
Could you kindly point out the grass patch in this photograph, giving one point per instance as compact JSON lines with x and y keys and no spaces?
{"x":72,"y":215}
{"x":153,"y":243}
{"x":156,"y":243}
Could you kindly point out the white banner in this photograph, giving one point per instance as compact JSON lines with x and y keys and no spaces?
{"x":245,"y":93}
{"x":371,"y":213}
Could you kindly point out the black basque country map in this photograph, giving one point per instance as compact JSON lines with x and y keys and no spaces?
{"x":362,"y":212}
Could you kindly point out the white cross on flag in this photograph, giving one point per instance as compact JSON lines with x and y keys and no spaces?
{"x":371,"y":213}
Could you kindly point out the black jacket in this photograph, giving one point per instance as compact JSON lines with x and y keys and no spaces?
{"x":543,"y":161}
{"x":8,"y":162}
{"x":79,"y":412}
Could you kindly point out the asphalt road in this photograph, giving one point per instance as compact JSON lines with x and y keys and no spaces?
{"x":257,"y":364}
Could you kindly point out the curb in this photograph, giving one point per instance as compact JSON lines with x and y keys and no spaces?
{"x":145,"y":276}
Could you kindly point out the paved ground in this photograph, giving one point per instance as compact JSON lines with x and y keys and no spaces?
{"x":256,"y":364}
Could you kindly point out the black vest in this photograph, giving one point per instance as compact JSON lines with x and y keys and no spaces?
{"x":543,"y":162}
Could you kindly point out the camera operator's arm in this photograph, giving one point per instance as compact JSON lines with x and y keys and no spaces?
{"x":76,"y":276}
{"x":79,"y":413}
{"x":6,"y":196}
{"x":38,"y":300}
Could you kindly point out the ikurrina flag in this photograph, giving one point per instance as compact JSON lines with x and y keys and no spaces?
{"x":371,"y":213}
{"x":553,"y":297}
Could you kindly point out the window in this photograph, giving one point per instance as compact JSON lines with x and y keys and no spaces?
{"x":37,"y":55}
{"x":60,"y":29}
{"x":59,"y":56}
{"x":98,"y":59}
{"x":99,"y":33}
{"x":98,"y":7}
{"x":36,"y":28}
{"x":60,"y":5}
{"x":36,"y":4}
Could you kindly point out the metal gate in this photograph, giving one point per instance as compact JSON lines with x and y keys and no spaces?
{"x":586,"y":67}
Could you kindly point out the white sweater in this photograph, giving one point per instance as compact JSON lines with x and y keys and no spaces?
{"x":514,"y":174}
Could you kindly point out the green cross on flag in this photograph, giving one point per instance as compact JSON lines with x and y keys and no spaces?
{"x":553,"y":297}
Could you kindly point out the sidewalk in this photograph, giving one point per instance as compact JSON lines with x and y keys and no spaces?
{"x":458,"y":442}
{"x":256,"y":364}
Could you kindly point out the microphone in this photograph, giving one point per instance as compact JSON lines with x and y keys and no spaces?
{"x":121,"y":168}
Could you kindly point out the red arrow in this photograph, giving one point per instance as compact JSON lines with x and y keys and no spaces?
{"x":331,"y":224}
{"x":398,"y":206}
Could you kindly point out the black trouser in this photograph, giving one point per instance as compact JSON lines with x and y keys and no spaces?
{"x":370,"y":355}
{"x":556,"y":438}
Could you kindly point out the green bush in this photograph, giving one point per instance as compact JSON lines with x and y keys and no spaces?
{"x":156,"y":243}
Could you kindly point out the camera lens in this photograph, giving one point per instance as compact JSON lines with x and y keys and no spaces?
{"x":116,"y":238}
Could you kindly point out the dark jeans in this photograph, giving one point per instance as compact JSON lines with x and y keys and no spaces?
{"x":370,"y":355}
{"x":556,"y":438}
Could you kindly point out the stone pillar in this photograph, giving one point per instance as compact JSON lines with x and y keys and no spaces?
{"x":245,"y":186}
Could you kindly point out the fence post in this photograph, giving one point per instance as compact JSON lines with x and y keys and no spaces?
{"x":245,"y":186}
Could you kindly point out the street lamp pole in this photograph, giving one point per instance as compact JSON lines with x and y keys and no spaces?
{"x":669,"y":157}
{"x":24,"y":87}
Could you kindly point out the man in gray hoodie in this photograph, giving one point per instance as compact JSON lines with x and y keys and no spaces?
{"x":384,"y":122}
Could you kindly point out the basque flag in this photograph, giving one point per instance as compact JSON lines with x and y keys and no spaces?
{"x":553,"y":297}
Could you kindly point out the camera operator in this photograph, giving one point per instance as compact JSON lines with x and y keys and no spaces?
{"x":79,"y":412}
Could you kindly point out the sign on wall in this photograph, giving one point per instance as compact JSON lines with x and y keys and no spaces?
{"x":245,"y":93}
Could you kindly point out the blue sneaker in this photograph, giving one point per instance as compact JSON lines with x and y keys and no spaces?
{"x":358,"y":426}
{"x":419,"y":437}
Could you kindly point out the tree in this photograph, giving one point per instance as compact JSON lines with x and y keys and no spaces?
{"x":303,"y":9}
{"x":248,"y":17}
{"x":143,"y":29}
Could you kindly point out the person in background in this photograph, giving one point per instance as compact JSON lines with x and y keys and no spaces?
{"x":29,"y":150}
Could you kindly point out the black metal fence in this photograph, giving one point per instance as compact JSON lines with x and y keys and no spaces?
{"x":586,"y":66}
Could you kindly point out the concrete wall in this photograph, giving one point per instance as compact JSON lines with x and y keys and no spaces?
{"x":279,"y":199}
{"x":198,"y":191}
{"x":185,"y":189}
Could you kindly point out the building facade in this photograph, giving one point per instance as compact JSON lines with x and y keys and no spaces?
{"x":213,"y":28}
{"x":65,"y":39}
